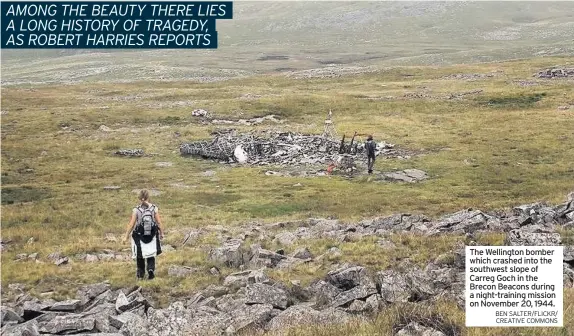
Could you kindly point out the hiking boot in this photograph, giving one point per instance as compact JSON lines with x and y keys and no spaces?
{"x":139,"y":275}
{"x":370,"y":171}
{"x":150,"y":275}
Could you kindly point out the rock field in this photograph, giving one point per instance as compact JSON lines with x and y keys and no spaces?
{"x":249,"y":300}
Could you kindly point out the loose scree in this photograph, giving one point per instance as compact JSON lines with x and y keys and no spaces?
{"x":112,"y":24}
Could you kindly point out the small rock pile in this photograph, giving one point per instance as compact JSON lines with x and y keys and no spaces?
{"x":279,"y":148}
{"x":471,"y":76}
{"x":130,"y":152}
{"x":556,"y":73}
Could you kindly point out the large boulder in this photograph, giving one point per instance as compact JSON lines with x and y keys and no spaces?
{"x":285,"y":238}
{"x":29,"y":328}
{"x":411,"y":284}
{"x":66,"y":306}
{"x":119,"y":320}
{"x":266,"y":294}
{"x":230,"y":302}
{"x":346,"y":278}
{"x":133,"y":300}
{"x":324,"y":293}
{"x":68,"y":323}
{"x":356,"y":293}
{"x":232,"y":253}
{"x":250,"y":318}
{"x":101,"y":314}
{"x":8,"y":315}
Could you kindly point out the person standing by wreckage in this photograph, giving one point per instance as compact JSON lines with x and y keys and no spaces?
{"x":146,"y":232}
{"x":371,"y":147}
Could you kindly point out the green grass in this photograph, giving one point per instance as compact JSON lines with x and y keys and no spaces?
{"x":507,"y":146}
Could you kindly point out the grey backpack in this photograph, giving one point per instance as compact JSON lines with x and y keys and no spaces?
{"x":147,"y":225}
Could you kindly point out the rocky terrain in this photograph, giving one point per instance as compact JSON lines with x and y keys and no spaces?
{"x":249,"y":301}
{"x":556,"y":73}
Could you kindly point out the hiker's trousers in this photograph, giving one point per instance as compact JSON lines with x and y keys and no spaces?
{"x":370,"y":162}
{"x":141,"y":263}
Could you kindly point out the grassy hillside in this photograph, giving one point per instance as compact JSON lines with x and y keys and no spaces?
{"x":488,"y":133}
{"x":316,"y":33}
{"x":507,"y":145}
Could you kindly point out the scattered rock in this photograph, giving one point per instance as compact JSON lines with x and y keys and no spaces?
{"x":266,"y":294}
{"x":118,"y":321}
{"x":112,"y":188}
{"x":264,"y":258}
{"x":60,"y":324}
{"x":167,"y":248}
{"x":460,"y":95}
{"x":29,"y":328}
{"x":61,"y":261}
{"x":125,"y":303}
{"x":163,"y":164}
{"x":242,"y":279}
{"x":199,"y":113}
{"x":250,"y":302}
{"x":555,"y":73}
{"x":415,"y":329}
{"x":304,"y":315}
{"x":181,"y":271}
{"x":130,"y":152}
{"x":250,"y":96}
{"x":8,"y":315}
{"x":407,"y":175}
{"x":208,"y":173}
{"x":232,"y":253}
{"x":110,"y":237}
{"x":66,"y":306}
{"x":302,"y":253}
{"x":105,"y":128}
{"x":471,"y":77}
{"x":252,"y":318}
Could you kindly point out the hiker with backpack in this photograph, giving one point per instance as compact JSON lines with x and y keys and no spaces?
{"x":146,"y":232}
{"x":371,"y":148}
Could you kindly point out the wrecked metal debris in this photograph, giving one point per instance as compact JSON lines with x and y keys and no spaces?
{"x":272,"y":147}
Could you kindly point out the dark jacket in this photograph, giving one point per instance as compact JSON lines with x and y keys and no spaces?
{"x":371,"y":147}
